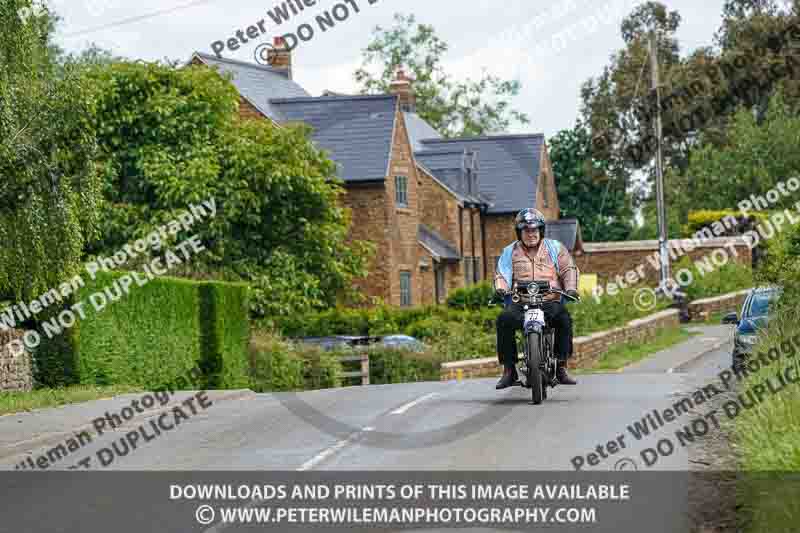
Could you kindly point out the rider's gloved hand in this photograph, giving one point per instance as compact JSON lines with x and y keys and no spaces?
{"x":573,"y":294}
{"x":500,"y":293}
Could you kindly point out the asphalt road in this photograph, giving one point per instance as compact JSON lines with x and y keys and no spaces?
{"x":465,"y":425}
{"x":448,"y":426}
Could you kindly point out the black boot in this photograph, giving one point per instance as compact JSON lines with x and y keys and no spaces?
{"x":508,"y":379}
{"x":562,"y":375}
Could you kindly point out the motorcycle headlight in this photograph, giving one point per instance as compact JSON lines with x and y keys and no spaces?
{"x":533,"y":289}
{"x":748,"y":339}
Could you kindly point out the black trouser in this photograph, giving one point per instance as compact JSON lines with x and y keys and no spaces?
{"x":510,"y":320}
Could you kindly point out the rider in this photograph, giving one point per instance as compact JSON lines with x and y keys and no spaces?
{"x":531,"y":257}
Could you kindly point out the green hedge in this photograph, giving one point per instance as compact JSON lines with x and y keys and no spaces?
{"x":225,"y":334}
{"x":389,"y":365}
{"x":473,"y":297}
{"x":152,"y":335}
{"x":278,"y":365}
{"x":730,"y":277}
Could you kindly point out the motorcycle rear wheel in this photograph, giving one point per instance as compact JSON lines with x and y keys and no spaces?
{"x":535,"y":377}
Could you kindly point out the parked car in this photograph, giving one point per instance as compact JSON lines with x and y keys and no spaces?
{"x":755,"y":315}
{"x":335,"y":342}
{"x":404,"y":342}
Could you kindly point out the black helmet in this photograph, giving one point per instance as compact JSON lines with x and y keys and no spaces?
{"x":529,"y":218}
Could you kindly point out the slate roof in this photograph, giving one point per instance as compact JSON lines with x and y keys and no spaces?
{"x":418,"y":129}
{"x":448,"y":166}
{"x":355,"y":130}
{"x":509,"y":167}
{"x":567,"y":231}
{"x":257,"y":83}
{"x":439,"y":247}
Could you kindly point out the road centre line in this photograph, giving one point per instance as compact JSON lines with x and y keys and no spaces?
{"x":406,"y":407}
{"x":328,"y":452}
{"x":324,"y":454}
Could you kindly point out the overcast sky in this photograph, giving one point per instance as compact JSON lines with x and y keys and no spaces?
{"x":509,"y":38}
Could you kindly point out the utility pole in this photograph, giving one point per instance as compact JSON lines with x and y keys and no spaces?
{"x":663,"y":251}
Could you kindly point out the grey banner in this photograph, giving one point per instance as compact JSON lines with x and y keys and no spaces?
{"x":123,"y":502}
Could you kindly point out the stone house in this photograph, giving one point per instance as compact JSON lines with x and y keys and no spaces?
{"x":439,"y":210}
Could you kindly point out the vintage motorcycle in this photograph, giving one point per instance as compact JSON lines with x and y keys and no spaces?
{"x":537,"y":366}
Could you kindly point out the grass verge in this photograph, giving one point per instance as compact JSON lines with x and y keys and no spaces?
{"x":766,"y":433}
{"x":15,"y":402}
{"x":625,"y":354}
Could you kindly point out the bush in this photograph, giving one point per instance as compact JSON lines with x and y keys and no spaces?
{"x":730,"y":277}
{"x":473,"y":297}
{"x":388,"y":365}
{"x":154,"y":334}
{"x":697,"y":220}
{"x":278,"y":365}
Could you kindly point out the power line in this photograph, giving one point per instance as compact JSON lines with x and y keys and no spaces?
{"x":137,"y":18}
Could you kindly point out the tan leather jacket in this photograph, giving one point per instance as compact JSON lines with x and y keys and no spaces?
{"x":540,"y":267}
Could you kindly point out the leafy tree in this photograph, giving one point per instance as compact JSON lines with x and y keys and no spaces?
{"x":617,"y":105}
{"x":172,"y":137}
{"x":454,"y":108}
{"x":48,"y":182}
{"x":700,"y":94}
{"x":753,"y":160}
{"x":585,"y":190}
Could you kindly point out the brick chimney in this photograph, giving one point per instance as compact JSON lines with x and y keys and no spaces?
{"x":281,"y":56}
{"x":403,"y":87}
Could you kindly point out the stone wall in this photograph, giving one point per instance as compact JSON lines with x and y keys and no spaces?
{"x":611,"y":259}
{"x":248,"y":111}
{"x":701,"y":309}
{"x":403,"y":222}
{"x":15,"y":372}
{"x":499,"y":234}
{"x":547,"y":194}
{"x":367,"y":203}
{"x":587,"y":349}
{"x":472,"y":241}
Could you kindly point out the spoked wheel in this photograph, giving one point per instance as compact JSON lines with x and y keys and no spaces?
{"x":535,"y":374}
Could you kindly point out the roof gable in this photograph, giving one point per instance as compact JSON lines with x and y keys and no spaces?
{"x":567,"y":231}
{"x":449,"y":167}
{"x":509,"y":167}
{"x":257,"y":83}
{"x":357,"y":131}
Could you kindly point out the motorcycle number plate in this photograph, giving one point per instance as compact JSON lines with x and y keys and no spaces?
{"x":536,"y":315}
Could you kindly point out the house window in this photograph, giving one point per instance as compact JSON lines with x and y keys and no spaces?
{"x":440,"y":288}
{"x":477,"y":269}
{"x":468,"y":271}
{"x":401,"y":191}
{"x":405,"y":289}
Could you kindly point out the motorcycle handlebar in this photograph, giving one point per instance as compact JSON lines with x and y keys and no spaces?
{"x":498,"y":299}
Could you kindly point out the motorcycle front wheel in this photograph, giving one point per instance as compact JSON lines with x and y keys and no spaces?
{"x":535,"y":378}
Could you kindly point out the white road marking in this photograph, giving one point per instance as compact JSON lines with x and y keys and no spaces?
{"x":409,"y":405}
{"x":324,"y":454}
